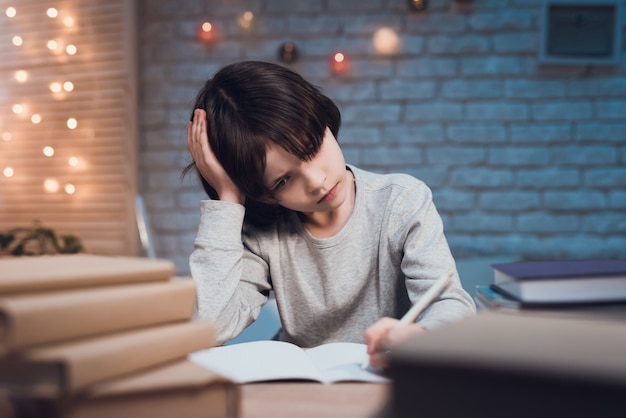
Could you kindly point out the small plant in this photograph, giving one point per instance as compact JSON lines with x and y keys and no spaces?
{"x":38,"y":240}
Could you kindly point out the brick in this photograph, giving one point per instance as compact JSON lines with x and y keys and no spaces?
{"x":407,"y":90}
{"x":454,"y":44}
{"x":492,"y":223}
{"x":423,"y":133}
{"x":455,"y":155}
{"x":534,"y":89}
{"x":611,"y":109}
{"x":599,"y":87}
{"x":477,"y":133}
{"x":290,"y":7}
{"x":515,"y":42}
{"x":427,"y":67}
{"x":497,"y":20}
{"x":585,"y":155}
{"x":480,"y":177}
{"x":541,"y":223}
{"x":605,"y":177}
{"x":492,"y":65}
{"x":605,"y":223}
{"x":541,"y":132}
{"x":561,"y":110}
{"x":434,"y":112}
{"x":551,"y":177}
{"x":574,"y":200}
{"x":514,"y":200}
{"x":392,"y":157}
{"x":617,"y":199}
{"x":369,"y":114}
{"x":595,"y":131}
{"x":359,"y":136}
{"x":471,"y":89}
{"x":531,"y":156}
{"x":497,"y":111}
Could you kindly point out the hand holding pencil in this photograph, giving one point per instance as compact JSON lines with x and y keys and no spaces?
{"x":404,"y":328}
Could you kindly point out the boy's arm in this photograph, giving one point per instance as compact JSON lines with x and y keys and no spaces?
{"x":426,"y":257}
{"x":232,"y":282}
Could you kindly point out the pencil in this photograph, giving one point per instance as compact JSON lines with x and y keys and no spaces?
{"x":424,"y":302}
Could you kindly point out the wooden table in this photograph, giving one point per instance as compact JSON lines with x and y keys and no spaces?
{"x":315,"y":400}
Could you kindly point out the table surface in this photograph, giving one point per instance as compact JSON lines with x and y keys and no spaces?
{"x":305,"y":399}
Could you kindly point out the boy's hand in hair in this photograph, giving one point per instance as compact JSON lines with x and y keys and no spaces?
{"x":206,"y":161}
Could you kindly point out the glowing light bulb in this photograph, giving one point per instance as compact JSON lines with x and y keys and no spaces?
{"x":48,"y":151}
{"x":11,"y":11}
{"x":70,"y":188}
{"x":386,"y":41}
{"x":55,"y":87}
{"x":73,"y":161}
{"x":21,"y":76}
{"x":68,"y":21}
{"x":36,"y":118}
{"x":18,"y":109}
{"x":51,"y":185}
{"x":52,"y":44}
{"x":7,"y":136}
{"x":68,"y":86}
{"x":8,"y":172}
{"x":71,"y":50}
{"x":72,"y":123}
{"x":17,"y":40}
{"x":52,"y":12}
{"x":245,"y":20}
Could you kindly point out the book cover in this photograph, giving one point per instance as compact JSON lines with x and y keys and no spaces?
{"x":578,"y":281}
{"x":65,"y":368}
{"x":555,"y":270}
{"x":28,"y":319}
{"x":176,"y":389}
{"x":65,"y":271}
{"x":259,"y":361}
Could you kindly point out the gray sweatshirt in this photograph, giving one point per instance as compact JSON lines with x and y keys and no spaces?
{"x":388,"y":254}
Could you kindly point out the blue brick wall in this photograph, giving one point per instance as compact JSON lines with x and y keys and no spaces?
{"x":525,"y":160}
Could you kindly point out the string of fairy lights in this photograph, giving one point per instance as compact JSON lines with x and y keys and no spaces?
{"x":385,"y":40}
{"x":27,"y":112}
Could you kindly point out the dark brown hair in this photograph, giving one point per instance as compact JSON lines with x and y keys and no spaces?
{"x":250,"y":105}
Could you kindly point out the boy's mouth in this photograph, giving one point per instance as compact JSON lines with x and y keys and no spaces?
{"x":330,"y":195}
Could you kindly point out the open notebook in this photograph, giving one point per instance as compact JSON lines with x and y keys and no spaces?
{"x":277,"y":360}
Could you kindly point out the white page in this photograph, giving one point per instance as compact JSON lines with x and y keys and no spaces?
{"x":342,"y":362}
{"x":278,"y":360}
{"x":258,"y":361}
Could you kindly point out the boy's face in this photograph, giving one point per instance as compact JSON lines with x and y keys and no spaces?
{"x":318,"y":185}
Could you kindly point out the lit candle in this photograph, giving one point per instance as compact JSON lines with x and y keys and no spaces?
{"x":207,"y":32}
{"x":339,"y":63}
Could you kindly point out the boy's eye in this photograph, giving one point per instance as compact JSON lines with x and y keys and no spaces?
{"x":280,"y":183}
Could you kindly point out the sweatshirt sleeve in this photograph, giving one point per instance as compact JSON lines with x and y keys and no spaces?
{"x":231,"y":281}
{"x":427,"y":256}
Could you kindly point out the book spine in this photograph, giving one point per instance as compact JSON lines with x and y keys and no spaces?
{"x":84,"y":362}
{"x":52,"y":317}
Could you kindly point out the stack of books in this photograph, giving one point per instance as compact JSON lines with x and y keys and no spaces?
{"x":578,"y":287}
{"x":86,"y":336}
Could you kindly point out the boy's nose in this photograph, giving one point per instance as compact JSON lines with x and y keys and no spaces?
{"x":315,"y":178}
